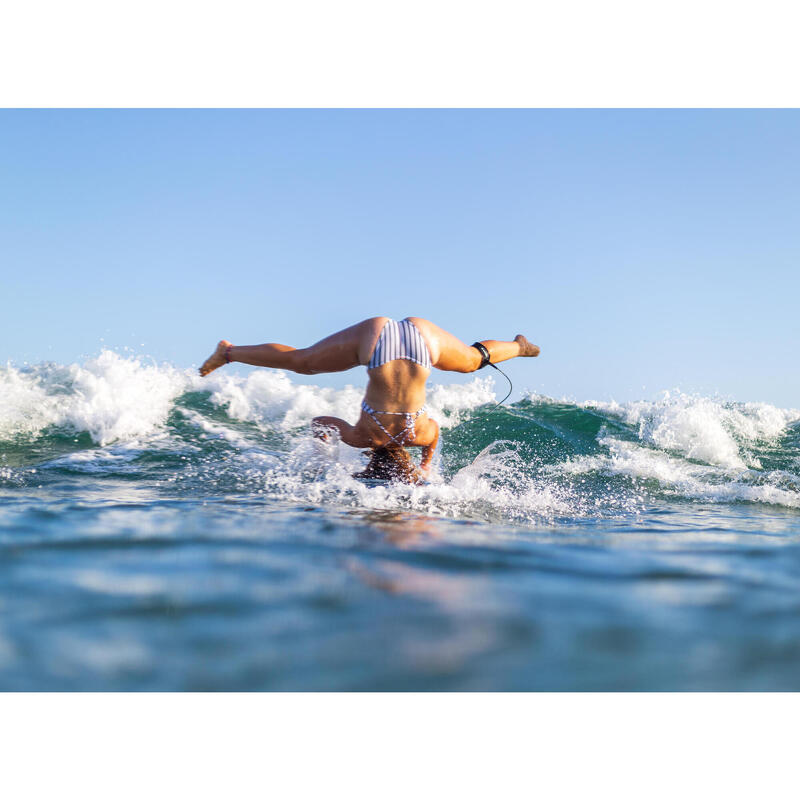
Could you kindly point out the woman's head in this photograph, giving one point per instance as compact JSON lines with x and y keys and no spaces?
{"x":391,"y":463}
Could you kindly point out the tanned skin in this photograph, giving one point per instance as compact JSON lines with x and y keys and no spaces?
{"x":395,"y":386}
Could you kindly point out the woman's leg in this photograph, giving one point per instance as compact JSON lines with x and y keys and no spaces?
{"x":451,"y":354}
{"x":336,"y":353}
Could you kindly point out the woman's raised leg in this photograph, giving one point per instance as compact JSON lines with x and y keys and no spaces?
{"x":451,"y":354}
{"x":336,"y":353}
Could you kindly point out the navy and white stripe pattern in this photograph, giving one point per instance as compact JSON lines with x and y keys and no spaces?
{"x":400,"y":340}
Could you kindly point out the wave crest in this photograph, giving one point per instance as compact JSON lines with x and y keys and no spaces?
{"x":173,"y":431}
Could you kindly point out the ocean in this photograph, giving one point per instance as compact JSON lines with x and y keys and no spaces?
{"x":159,"y":531}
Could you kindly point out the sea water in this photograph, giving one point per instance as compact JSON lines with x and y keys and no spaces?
{"x":159,"y":531}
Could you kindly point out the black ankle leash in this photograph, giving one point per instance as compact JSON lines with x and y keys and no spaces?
{"x":486,"y":359}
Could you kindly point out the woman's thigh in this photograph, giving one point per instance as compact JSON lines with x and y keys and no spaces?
{"x":343,"y":350}
{"x":447,"y":351}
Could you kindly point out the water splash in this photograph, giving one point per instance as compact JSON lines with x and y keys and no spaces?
{"x":166,"y":430}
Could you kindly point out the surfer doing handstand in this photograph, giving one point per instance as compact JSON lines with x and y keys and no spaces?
{"x":398,"y":357}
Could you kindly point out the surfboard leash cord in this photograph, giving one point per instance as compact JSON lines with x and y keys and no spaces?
{"x":487,"y":359}
{"x":485,"y":356}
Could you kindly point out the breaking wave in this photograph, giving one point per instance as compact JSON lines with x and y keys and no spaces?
{"x":168,"y":431}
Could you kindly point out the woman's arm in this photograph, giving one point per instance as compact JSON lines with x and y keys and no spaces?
{"x":429,"y":449}
{"x":321,"y":428}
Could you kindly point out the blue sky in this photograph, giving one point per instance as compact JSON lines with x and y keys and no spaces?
{"x":642,"y":250}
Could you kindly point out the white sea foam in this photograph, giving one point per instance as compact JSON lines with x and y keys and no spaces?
{"x":494,"y":487}
{"x":448,"y":405}
{"x":702,"y":428}
{"x":692,"y":446}
{"x":25,"y":405}
{"x":686,"y":479}
{"x":116,"y":398}
{"x":270,"y":397}
{"x":110,"y":397}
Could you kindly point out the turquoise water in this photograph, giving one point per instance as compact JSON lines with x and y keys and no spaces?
{"x":158,"y":532}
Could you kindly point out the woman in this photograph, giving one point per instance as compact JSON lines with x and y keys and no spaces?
{"x":398,"y":357}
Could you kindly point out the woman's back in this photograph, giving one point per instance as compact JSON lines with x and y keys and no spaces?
{"x":397,"y":385}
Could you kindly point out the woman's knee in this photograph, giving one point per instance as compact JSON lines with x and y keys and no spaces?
{"x":460,"y":359}
{"x":302,"y":363}
{"x":471,"y":365}
{"x":474,"y":360}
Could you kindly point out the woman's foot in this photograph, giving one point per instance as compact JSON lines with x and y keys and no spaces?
{"x":216,"y":359}
{"x":525,"y":347}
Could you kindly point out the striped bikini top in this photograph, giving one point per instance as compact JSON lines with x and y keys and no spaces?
{"x":400,"y":340}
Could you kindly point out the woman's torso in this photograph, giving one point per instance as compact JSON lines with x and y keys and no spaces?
{"x":398,"y":384}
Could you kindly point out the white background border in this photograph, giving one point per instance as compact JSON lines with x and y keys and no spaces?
{"x":441,"y":53}
{"x":372,"y":54}
{"x":399,"y":746}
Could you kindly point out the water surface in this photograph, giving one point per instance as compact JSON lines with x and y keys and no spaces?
{"x":158,"y":532}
